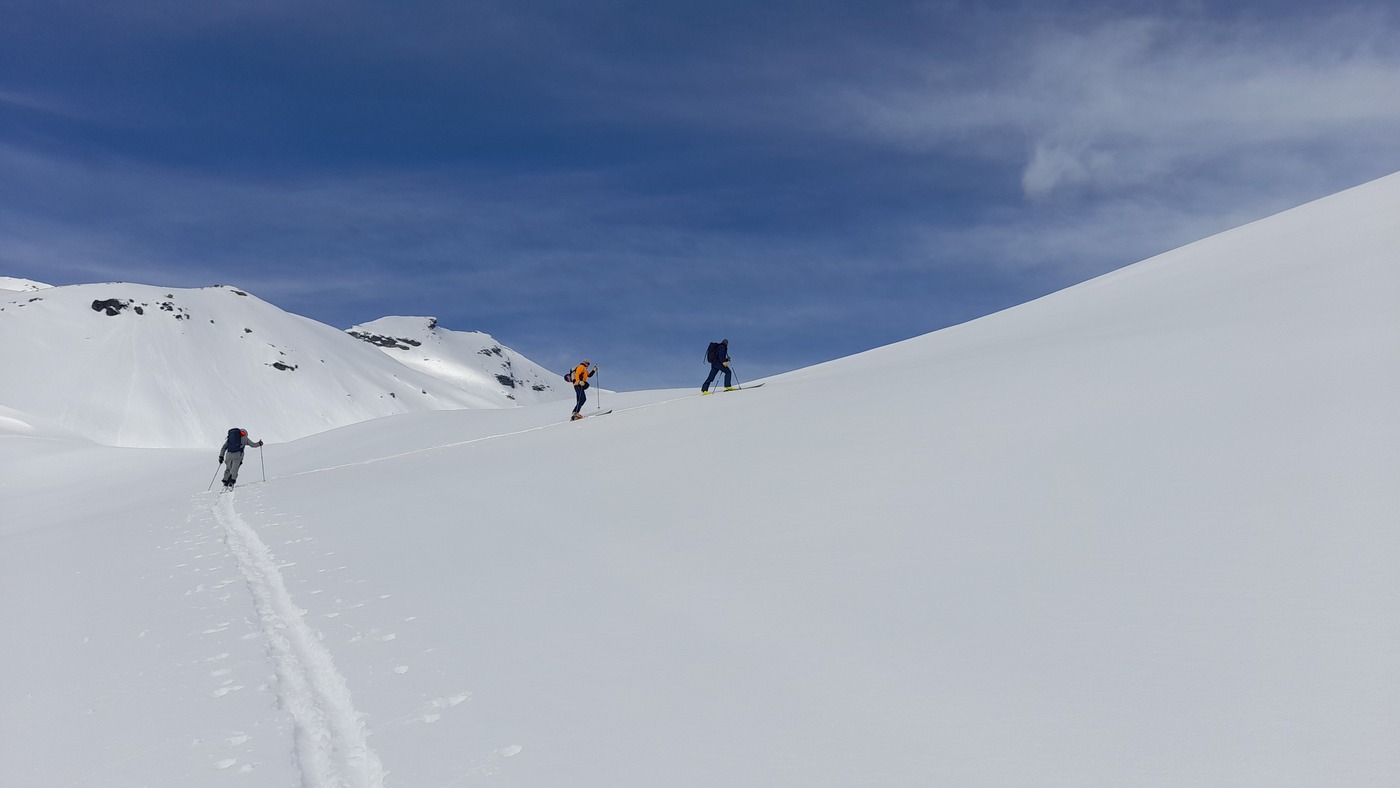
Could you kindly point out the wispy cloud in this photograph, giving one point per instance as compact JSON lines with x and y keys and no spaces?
{"x":49,"y":105}
{"x":1133,"y":102}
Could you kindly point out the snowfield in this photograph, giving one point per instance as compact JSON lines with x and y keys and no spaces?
{"x":1140,"y":532}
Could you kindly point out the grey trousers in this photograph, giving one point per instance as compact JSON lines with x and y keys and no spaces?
{"x":232,"y":460}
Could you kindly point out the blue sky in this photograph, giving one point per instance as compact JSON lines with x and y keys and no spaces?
{"x":628,"y":180}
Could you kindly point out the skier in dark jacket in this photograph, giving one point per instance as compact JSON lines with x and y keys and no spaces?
{"x":718,"y":356}
{"x":231,"y":455}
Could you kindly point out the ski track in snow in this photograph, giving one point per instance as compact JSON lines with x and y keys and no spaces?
{"x":481,"y":439}
{"x":330,"y":737}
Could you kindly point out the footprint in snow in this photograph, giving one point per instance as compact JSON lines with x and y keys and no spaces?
{"x":432,"y":713}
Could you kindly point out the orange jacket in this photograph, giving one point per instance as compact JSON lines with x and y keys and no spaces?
{"x":580,"y":374}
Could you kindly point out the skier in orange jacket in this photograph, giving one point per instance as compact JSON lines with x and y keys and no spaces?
{"x":579,"y":377}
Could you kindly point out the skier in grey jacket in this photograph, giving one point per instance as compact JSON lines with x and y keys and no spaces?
{"x":233,"y":451}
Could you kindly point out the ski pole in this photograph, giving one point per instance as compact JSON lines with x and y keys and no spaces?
{"x":600,"y":392}
{"x":263,"y":461}
{"x":216,"y":475}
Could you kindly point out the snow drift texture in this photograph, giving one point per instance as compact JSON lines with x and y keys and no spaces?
{"x":1141,"y":532}
{"x":135,"y":365}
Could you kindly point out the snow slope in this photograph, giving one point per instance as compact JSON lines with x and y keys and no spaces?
{"x":472,"y":361}
{"x":135,"y":365}
{"x":1140,"y":532}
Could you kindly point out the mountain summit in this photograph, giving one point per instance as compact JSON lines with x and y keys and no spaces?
{"x":143,"y":366}
{"x":470,"y":360}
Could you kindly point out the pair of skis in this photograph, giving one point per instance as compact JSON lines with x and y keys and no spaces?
{"x":606,"y":412}
{"x":735,"y":388}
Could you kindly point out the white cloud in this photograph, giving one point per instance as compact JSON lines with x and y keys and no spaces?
{"x":1125,"y":103}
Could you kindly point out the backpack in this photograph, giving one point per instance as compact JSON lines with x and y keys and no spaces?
{"x":235,"y":440}
{"x":713,"y":353}
{"x":569,"y":376}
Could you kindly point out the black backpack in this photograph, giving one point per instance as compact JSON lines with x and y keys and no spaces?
{"x":235,"y":440}
{"x":714,"y":353}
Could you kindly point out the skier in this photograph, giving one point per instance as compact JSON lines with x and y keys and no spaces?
{"x":233,"y":451}
{"x":579,"y":377}
{"x":718,"y":356}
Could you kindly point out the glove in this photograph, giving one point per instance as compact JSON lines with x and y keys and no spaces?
{"x":221,"y":459}
{"x":260,"y":443}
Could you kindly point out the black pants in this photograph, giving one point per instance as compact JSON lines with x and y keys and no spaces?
{"x":580,"y":396}
{"x":715,"y":370}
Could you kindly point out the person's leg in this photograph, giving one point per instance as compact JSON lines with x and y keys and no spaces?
{"x":232,"y":461}
{"x":728,"y":380}
{"x":580,"y":397}
{"x":714,"y":370}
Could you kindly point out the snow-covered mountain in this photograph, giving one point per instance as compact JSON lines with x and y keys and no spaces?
{"x":1140,"y":532}
{"x":472,"y":361}
{"x":142,"y":366}
{"x":10,"y":285}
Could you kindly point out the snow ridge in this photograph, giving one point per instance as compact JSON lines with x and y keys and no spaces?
{"x":330,"y":737}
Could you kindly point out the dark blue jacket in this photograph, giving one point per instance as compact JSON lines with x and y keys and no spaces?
{"x":718,"y":353}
